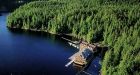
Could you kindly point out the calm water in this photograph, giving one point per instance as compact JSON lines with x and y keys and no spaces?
{"x":33,"y":54}
{"x":28,"y":53}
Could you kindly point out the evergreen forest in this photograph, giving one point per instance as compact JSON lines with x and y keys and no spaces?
{"x":115,"y":23}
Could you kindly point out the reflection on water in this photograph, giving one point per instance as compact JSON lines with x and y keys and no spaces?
{"x":77,"y":67}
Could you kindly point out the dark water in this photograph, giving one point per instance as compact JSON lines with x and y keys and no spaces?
{"x":29,"y":53}
{"x":32,"y":54}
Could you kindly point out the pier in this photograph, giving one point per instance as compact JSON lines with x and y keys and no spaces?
{"x":84,"y":55}
{"x":87,"y":52}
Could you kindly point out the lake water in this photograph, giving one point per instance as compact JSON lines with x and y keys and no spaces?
{"x":35,"y":53}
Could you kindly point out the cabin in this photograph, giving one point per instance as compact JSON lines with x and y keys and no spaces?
{"x":86,"y":54}
{"x":83,"y":57}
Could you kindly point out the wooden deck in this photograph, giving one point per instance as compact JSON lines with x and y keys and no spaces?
{"x":77,"y":58}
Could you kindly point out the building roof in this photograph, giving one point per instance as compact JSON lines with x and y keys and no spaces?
{"x":86,"y":53}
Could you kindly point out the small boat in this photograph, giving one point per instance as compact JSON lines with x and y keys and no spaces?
{"x":74,"y":45}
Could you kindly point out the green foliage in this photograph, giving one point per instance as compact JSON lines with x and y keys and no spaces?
{"x":116,"y":23}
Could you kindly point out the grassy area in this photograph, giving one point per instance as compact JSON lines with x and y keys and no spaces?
{"x":116,"y":23}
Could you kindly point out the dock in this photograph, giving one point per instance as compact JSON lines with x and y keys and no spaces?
{"x":87,"y":52}
{"x":78,"y":57}
{"x":70,"y":63}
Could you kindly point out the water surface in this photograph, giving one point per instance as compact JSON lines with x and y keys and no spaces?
{"x":35,"y":53}
{"x":31,"y":53}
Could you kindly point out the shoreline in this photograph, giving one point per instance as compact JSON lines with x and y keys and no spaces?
{"x":34,"y":30}
{"x":43,"y":31}
{"x":58,"y":34}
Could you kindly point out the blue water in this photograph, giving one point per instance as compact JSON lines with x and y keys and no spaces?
{"x":32,"y":53}
{"x":36,"y":53}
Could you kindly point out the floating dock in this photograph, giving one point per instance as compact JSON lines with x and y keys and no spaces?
{"x":84,"y":55}
{"x":83,"y":58}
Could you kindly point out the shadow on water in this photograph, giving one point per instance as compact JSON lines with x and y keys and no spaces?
{"x":32,"y":33}
{"x":53,"y":37}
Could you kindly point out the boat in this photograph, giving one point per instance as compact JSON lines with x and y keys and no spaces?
{"x":74,"y":45}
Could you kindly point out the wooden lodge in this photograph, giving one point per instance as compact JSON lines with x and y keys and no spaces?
{"x":84,"y":55}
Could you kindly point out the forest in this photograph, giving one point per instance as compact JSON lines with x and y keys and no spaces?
{"x":112,"y":22}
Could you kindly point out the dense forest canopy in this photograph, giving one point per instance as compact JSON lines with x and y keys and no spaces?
{"x":115,"y":23}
